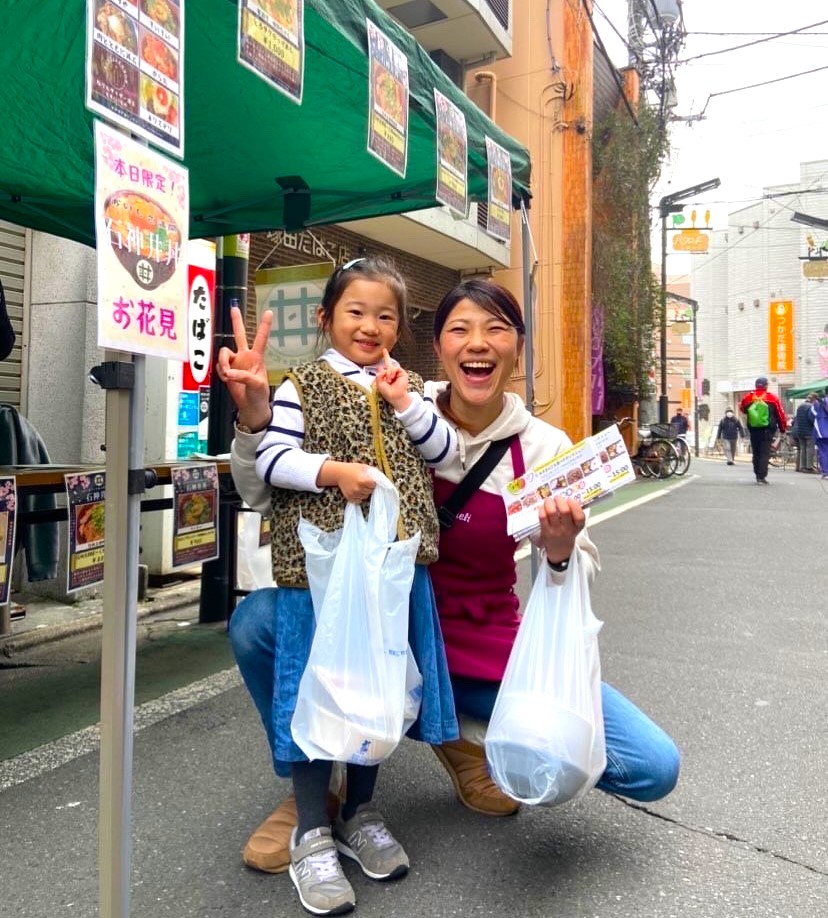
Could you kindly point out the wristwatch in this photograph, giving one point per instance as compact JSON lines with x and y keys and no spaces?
{"x":558,"y":566}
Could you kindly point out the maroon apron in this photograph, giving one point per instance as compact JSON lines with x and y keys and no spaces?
{"x":474,"y":582}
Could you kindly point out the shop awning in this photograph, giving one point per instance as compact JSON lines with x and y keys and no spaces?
{"x":819,"y":386}
{"x":244,"y":141}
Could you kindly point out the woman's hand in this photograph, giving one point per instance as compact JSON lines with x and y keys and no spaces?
{"x":244,"y":373}
{"x":392,"y":384}
{"x":561,"y":519}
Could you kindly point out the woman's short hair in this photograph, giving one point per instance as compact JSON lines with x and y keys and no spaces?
{"x":485,"y":293}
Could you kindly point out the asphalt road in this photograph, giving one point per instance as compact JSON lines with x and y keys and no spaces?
{"x":713,"y":601}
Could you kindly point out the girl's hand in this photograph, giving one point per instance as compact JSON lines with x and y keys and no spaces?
{"x":352,"y":478}
{"x":244,"y":373}
{"x":561,"y":519}
{"x":392,"y":384}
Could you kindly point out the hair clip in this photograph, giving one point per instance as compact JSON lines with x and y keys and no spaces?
{"x":351,"y":263}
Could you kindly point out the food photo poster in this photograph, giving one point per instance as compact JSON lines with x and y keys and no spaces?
{"x":86,"y":503}
{"x":195,"y":514}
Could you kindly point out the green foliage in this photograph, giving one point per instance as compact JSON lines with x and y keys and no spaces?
{"x":626,"y":164}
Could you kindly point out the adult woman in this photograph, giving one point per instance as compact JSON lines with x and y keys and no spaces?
{"x":478,"y":337}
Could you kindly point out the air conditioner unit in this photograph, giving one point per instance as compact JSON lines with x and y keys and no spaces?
{"x":756,"y":304}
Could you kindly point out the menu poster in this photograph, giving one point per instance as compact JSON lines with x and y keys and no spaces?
{"x":593,"y":468}
{"x":195,"y":514}
{"x":8,"y":513}
{"x":498,"y":221}
{"x":452,"y":155}
{"x":272,"y":43}
{"x":387,"y":101}
{"x":612,"y":451}
{"x":265,"y":537}
{"x":85,"y":496}
{"x":141,"y":225}
{"x":135,"y":67}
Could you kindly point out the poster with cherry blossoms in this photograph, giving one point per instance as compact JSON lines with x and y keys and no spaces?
{"x":86,"y":506}
{"x":195,"y":514}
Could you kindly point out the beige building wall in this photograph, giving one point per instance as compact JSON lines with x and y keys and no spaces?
{"x":543,"y":97}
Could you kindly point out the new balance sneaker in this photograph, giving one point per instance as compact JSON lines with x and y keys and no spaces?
{"x":366,"y":839}
{"x":317,"y":874}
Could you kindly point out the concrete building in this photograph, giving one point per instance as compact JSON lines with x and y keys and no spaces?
{"x":760,"y":261}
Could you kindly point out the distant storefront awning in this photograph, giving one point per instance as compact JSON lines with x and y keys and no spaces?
{"x":818,"y":385}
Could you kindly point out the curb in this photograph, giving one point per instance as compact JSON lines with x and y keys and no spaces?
{"x":162,"y":601}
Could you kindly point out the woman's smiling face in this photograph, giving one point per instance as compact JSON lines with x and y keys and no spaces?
{"x":478,"y":351}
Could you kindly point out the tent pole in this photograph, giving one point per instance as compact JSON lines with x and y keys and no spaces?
{"x":529,"y":323}
{"x":124,"y":452}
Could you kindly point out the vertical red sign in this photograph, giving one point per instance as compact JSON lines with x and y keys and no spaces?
{"x":201,"y":294}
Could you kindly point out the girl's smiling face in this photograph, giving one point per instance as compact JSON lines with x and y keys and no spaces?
{"x":365,"y":320}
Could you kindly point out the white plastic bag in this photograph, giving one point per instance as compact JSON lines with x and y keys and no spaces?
{"x":545,"y":740}
{"x":254,"y":566}
{"x":361,"y":688}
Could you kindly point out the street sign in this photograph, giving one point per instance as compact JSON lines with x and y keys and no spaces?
{"x":690,"y":240}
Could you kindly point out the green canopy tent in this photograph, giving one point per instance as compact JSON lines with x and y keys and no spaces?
{"x":256,"y":161}
{"x":246,"y":145}
{"x":819,"y":386}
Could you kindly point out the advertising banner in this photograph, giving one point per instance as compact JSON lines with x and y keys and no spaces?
{"x":195,"y":514}
{"x":272,"y":43}
{"x":135,"y":67}
{"x":293,"y":294}
{"x":387,"y":101}
{"x":780,"y":337}
{"x":452,"y":155}
{"x":141,"y":225}
{"x":86,"y":504}
{"x":498,"y":221}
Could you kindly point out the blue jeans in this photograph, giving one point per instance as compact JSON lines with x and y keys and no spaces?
{"x":642,"y":760}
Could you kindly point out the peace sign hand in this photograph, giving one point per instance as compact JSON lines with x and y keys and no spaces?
{"x":244,"y":373}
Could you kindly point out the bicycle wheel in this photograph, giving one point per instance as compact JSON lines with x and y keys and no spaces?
{"x":662,"y":458}
{"x":683,"y":451}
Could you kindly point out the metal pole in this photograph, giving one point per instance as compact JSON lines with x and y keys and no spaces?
{"x":529,"y":344}
{"x":664,"y":398}
{"x":124,"y":453}
{"x":232,"y":256}
{"x":695,"y":385}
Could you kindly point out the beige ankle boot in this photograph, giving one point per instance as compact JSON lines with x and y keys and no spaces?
{"x":466,"y":764}
{"x":268,"y":848}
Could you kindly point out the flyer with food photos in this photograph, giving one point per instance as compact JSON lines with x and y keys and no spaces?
{"x":135,"y":67}
{"x":452,"y":155}
{"x":142,"y":217}
{"x":591,"y":469}
{"x":387,"y":100}
{"x":272,"y":43}
{"x":8,"y":514}
{"x":499,"y":216}
{"x":195,"y":513}
{"x":86,"y":505}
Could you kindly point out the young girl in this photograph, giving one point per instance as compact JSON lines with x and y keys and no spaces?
{"x":328,"y":426}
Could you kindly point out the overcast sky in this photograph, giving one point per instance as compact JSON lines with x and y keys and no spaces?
{"x":752,"y":138}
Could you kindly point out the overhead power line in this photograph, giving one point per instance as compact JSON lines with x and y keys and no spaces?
{"x":726,"y":92}
{"x":758,"y":41}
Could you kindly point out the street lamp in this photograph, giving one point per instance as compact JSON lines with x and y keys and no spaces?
{"x":666,"y":206}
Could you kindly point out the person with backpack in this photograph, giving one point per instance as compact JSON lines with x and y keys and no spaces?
{"x":764,"y":414}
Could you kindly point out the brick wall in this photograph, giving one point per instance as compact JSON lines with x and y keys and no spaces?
{"x":427,"y":282}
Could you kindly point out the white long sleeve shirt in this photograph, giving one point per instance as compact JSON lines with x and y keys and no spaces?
{"x":282,"y":462}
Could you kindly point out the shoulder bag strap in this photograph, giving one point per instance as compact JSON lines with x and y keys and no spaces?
{"x":472,"y":480}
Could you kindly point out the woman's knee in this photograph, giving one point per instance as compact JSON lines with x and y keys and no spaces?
{"x":662,"y":772}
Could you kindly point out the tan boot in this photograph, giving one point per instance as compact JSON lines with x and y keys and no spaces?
{"x":466,"y":764}
{"x":268,"y":848}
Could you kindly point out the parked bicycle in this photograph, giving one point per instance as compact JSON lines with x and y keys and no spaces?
{"x":656,"y":457}
{"x":783,"y":450}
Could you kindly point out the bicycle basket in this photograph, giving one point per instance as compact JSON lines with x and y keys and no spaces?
{"x":663,"y":430}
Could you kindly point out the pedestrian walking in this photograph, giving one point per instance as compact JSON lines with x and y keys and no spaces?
{"x":680,"y":422}
{"x":765,"y":415}
{"x":730,"y":429}
{"x":819,"y":412}
{"x":803,"y":434}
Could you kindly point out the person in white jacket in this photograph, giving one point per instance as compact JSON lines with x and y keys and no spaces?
{"x":478,"y":337}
